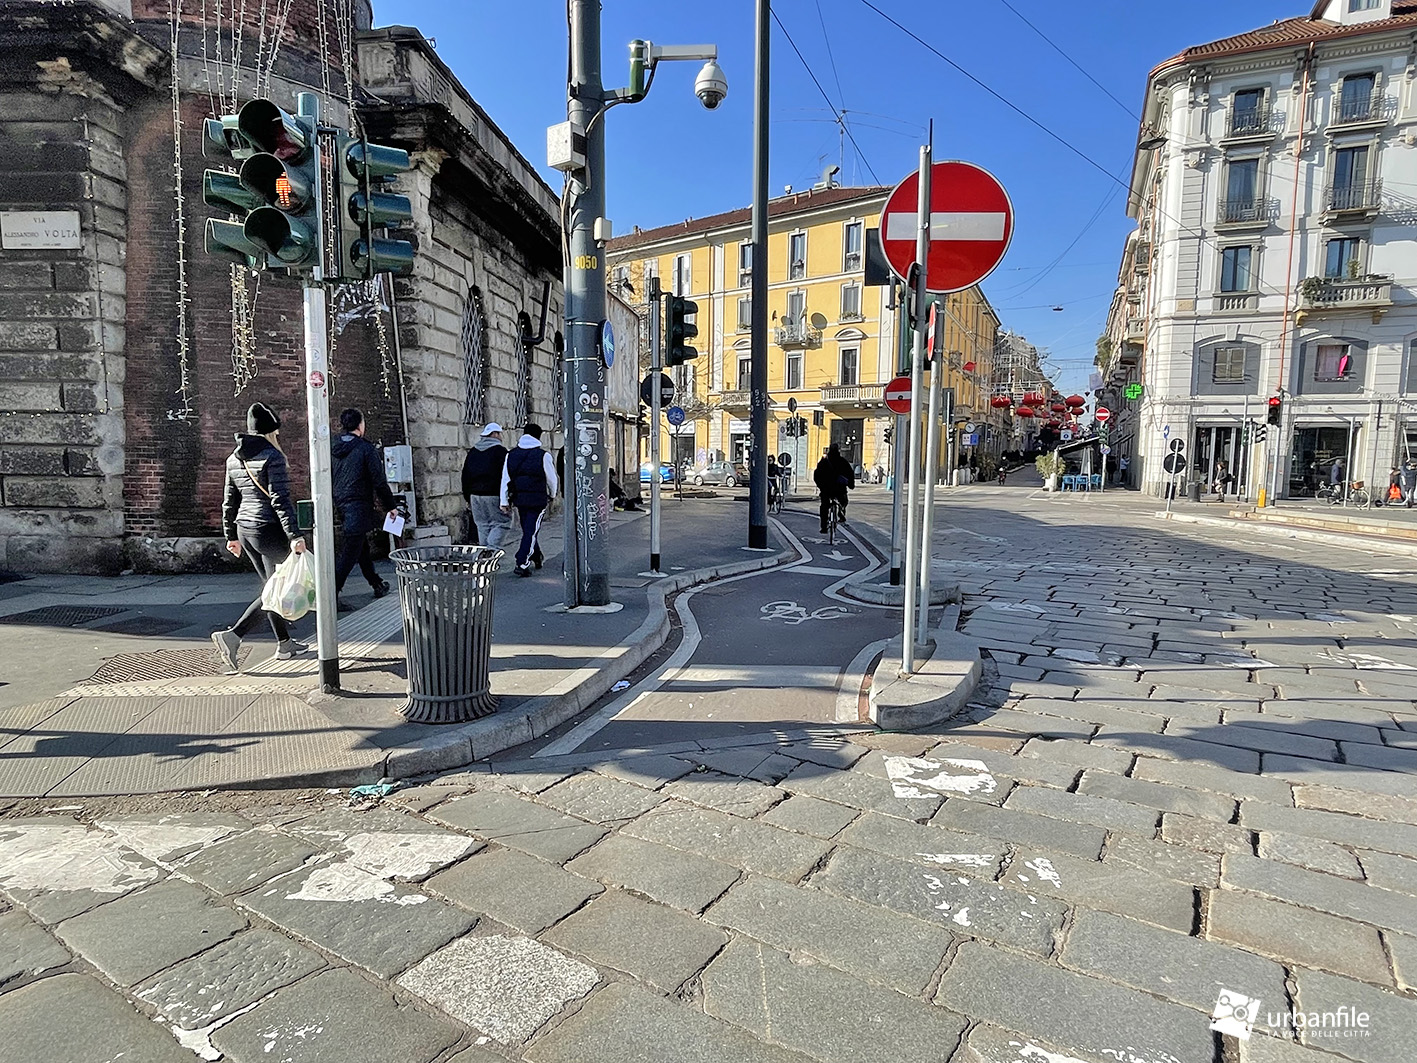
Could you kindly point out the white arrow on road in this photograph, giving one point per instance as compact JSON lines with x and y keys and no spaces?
{"x":837,"y":555}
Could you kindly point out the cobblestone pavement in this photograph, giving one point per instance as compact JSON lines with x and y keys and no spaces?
{"x":1189,"y":789}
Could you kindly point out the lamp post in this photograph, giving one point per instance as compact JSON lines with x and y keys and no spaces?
{"x":758,"y":368}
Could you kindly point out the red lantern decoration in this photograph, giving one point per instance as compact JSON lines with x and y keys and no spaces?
{"x":1076,"y":400}
{"x":1000,"y":402}
{"x":1024,"y":411}
{"x":1058,"y":407}
{"x":1033,"y":399}
{"x":969,"y":367}
{"x":1055,"y":423}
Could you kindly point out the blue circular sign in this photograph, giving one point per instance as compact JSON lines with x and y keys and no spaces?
{"x":674,"y":415}
{"x":607,"y":343}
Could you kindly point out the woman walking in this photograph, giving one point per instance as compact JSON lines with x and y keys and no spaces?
{"x":258,"y":518}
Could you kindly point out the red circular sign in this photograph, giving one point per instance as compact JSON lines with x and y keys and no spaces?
{"x":898,"y":395}
{"x":971,"y":224}
{"x":1103,"y":414}
{"x":317,"y":379}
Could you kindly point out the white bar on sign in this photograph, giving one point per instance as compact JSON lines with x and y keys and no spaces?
{"x":949,"y":226}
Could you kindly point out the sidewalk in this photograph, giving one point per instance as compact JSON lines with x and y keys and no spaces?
{"x":157,"y":716}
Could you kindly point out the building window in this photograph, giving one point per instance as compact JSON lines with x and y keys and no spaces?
{"x":796,"y":308}
{"x":1242,"y":178}
{"x":850,"y":356}
{"x":745,"y":372}
{"x":745,"y":314}
{"x":1247,"y":112}
{"x":851,"y":244}
{"x":1342,"y":258}
{"x":683,"y":274}
{"x":1363,"y":5}
{"x":1229,"y":366}
{"x":745,"y":264}
{"x":1411,"y":388}
{"x":1333,"y":361}
{"x":1349,"y":190}
{"x":793,"y":375}
{"x":797,"y":256}
{"x":1235,"y":269}
{"x":851,"y":302}
{"x":1356,"y":98}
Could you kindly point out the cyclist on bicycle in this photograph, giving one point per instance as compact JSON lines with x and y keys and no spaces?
{"x":773,"y":473}
{"x":833,"y":476}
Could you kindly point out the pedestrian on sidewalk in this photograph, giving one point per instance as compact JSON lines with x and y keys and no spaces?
{"x":1122,"y":464}
{"x":529,"y":483}
{"x":359,"y":481}
{"x":482,"y":487}
{"x":1223,"y":477}
{"x":833,"y":477}
{"x":1335,"y":472}
{"x":258,"y":517}
{"x":1409,"y":482}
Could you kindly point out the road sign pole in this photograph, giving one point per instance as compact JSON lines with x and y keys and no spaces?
{"x":912,"y":525}
{"x":898,"y":440}
{"x":932,"y":467}
{"x":655,"y":368}
{"x":758,"y":360}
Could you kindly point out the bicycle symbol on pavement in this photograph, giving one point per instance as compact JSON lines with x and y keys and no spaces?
{"x":792,"y":613}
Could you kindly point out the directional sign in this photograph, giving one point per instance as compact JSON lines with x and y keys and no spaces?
{"x":674,"y":415}
{"x":1106,"y":451}
{"x":898,"y":395}
{"x":666,"y":389}
{"x":1176,"y":446}
{"x":1103,"y":415}
{"x":1133,"y":391}
{"x":1165,"y":431}
{"x":607,"y":343}
{"x":971,"y":224}
{"x":1066,"y":435}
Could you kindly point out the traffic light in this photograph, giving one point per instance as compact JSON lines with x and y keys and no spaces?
{"x":1276,"y":407}
{"x":678,"y":331}
{"x":224,"y":190}
{"x":362,"y":170}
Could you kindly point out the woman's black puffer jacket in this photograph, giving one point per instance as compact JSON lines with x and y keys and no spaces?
{"x":265,"y":502}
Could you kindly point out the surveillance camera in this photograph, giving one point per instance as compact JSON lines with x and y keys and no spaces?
{"x":711,"y":86}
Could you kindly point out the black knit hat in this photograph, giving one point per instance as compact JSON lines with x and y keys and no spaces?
{"x":261,"y":420}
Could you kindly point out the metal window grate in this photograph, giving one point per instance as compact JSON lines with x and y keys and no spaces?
{"x":476,"y":368}
{"x":62,"y":615}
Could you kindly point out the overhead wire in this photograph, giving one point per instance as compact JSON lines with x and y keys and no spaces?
{"x":1075,"y":64}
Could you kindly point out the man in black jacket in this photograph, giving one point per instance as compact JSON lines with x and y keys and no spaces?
{"x":833,"y":476}
{"x":482,"y":486}
{"x":529,"y":482}
{"x":358,"y":480}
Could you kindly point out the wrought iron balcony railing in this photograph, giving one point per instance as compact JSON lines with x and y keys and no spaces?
{"x":791,"y":335}
{"x":1345,"y":197}
{"x":1356,"y":110}
{"x":1249,"y":122}
{"x":1244,"y":210}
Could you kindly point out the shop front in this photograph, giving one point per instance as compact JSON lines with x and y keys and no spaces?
{"x":1317,"y":447}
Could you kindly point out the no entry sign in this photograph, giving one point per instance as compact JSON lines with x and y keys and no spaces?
{"x":1103,"y":415}
{"x":971,"y":224}
{"x":897,"y":395}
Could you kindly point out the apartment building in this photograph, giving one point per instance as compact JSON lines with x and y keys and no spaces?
{"x":832,"y":337}
{"x":1275,"y":254}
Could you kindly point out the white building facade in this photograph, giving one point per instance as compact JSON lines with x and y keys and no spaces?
{"x":1275,"y":191}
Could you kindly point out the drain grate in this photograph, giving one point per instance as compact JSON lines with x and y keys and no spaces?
{"x":63,"y":615}
{"x":163,"y":664}
{"x":142,"y":625}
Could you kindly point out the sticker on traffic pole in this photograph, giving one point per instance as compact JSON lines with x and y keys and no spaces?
{"x":971,"y":224}
{"x":897,"y":395}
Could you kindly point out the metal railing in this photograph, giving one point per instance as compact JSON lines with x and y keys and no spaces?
{"x":736,"y":398}
{"x":1249,"y":122}
{"x":1355,"y":110}
{"x":1244,"y":209}
{"x":1365,"y":196}
{"x":793,"y":334}
{"x":1339,"y":294}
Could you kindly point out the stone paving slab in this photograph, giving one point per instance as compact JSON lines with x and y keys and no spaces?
{"x":515,"y":889}
{"x":73,"y":1018}
{"x":1307,"y":852}
{"x":1109,"y":886}
{"x":1104,"y":812}
{"x":1027,"y":828}
{"x":1390,"y":872}
{"x":625,"y":1024}
{"x":1297,"y":935}
{"x":1169,"y":861}
{"x":763,"y":991}
{"x":860,"y":790}
{"x":670,"y":876}
{"x":1313,"y":889}
{"x":1331,"y":826}
{"x":1159,"y":796}
{"x":1392,"y":1017}
{"x":507,"y":988}
{"x":1215,"y":780}
{"x":25,"y":949}
{"x":810,"y":815}
{"x":741,"y":843}
{"x":241,"y":862}
{"x":738,"y":797}
{"x":56,"y":868}
{"x":599,"y":798}
{"x":521,"y":824}
{"x":852,"y":936}
{"x":622,"y":931}
{"x":915,"y":842}
{"x":334,"y":1017}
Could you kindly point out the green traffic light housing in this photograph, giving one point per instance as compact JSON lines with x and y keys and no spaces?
{"x":222,"y":189}
{"x":227,"y":239}
{"x":268,"y":128}
{"x":679,"y":331}
{"x":361,"y":168}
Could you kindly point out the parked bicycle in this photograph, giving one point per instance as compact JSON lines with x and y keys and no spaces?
{"x":1353,"y":493}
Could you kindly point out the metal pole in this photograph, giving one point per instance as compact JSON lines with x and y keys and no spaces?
{"x":587,"y":580}
{"x":898,"y":440}
{"x":1373,"y":465}
{"x":932,"y":465}
{"x":655,"y":368}
{"x":758,"y":373}
{"x":317,"y":414}
{"x":912,"y":523}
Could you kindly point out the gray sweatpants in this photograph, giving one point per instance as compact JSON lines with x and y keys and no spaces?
{"x":493,"y":526}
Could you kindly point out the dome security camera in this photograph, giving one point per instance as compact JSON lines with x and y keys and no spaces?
{"x":711,"y":86}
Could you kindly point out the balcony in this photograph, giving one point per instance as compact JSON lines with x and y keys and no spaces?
{"x":1230,"y":302}
{"x":737,"y":401}
{"x":1249,"y":123}
{"x":852,"y":315}
{"x":1245,"y":212}
{"x":1353,"y":198}
{"x":1327,"y":295}
{"x":1141,"y":262}
{"x":1356,"y":111}
{"x":797,"y":335}
{"x":1136,"y":331}
{"x":853,"y":262}
{"x":854,"y":395}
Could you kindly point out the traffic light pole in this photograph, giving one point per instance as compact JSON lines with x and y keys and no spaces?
{"x":587,"y":567}
{"x":912,"y":524}
{"x":758,"y":368}
{"x":932,"y":466}
{"x":898,"y":435}
{"x":317,"y":413}
{"x":656,"y":366}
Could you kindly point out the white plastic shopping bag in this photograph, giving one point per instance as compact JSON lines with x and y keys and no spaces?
{"x":291,"y":589}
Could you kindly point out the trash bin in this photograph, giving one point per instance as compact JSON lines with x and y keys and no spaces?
{"x":1195,"y":489}
{"x":446,"y":594}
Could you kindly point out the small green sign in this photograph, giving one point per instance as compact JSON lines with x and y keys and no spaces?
{"x":1133,"y":391}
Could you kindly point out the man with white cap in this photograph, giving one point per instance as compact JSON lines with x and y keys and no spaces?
{"x":482,"y":486}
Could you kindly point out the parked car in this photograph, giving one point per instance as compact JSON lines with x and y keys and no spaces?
{"x":724,"y":473}
{"x":666,"y":472}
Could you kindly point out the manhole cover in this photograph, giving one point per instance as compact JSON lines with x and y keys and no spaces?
{"x":142,"y":625}
{"x":163,"y":664}
{"x":62,"y":615}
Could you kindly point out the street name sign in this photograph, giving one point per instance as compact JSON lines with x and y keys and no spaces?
{"x":897,"y":395}
{"x":971,"y":224}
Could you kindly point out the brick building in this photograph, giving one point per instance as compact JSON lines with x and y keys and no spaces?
{"x":128,"y":356}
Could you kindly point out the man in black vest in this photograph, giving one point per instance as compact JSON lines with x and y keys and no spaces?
{"x":358,"y":480}
{"x":529,"y":482}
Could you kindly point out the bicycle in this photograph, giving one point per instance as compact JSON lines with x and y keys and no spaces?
{"x":836,"y":515}
{"x":777,"y":494}
{"x":1353,"y":493}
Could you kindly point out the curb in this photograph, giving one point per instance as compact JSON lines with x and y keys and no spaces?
{"x":462,"y":744}
{"x":1382,"y":544}
{"x":939,"y":688}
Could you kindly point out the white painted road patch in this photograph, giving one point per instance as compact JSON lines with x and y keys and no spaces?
{"x":390,"y":854}
{"x":959,"y":859}
{"x":344,"y":883}
{"x":909,"y":774}
{"x":69,"y":858}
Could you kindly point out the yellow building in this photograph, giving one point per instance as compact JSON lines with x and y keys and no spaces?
{"x":832,"y":338}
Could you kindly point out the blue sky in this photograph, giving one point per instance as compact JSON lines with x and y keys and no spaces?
{"x":669,"y":159}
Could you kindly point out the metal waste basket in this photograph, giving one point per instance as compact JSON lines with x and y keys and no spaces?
{"x":446,"y":594}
